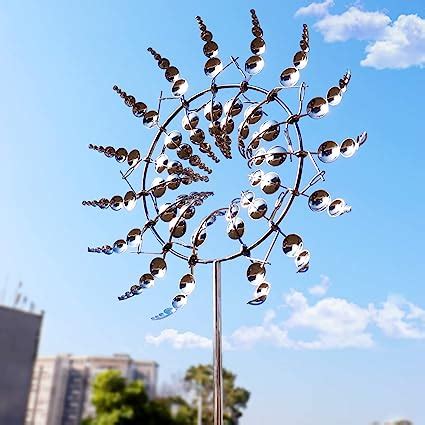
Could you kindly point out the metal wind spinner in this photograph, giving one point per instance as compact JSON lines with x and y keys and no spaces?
{"x":172,"y":147}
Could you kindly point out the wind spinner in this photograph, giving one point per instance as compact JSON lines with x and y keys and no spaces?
{"x":212,"y":126}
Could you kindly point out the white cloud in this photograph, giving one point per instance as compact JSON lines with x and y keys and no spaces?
{"x":353,"y":24}
{"x":248,"y":336}
{"x":402,"y":45}
{"x":315,"y":9}
{"x":334,"y":323}
{"x":179,"y":339}
{"x":338,"y":323}
{"x":397,"y":44}
{"x":331,"y":315}
{"x":399,"y":318}
{"x":322,"y":288}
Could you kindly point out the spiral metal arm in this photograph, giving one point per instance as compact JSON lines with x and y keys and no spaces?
{"x":252,"y":146}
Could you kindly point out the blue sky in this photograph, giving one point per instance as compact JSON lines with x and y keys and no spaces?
{"x":340,"y":345}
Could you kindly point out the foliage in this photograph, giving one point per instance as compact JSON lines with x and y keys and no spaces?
{"x":200,"y":380}
{"x":118,"y":402}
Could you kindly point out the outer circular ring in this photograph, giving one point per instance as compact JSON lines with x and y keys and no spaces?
{"x":288,"y":204}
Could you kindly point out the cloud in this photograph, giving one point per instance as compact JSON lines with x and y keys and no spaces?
{"x":401,"y":46}
{"x":248,"y":336}
{"x":353,"y":24}
{"x":333,"y":323}
{"x":399,"y":318}
{"x":338,"y":323}
{"x":320,"y":289}
{"x":397,"y":44}
{"x":315,"y":9}
{"x":179,"y":339}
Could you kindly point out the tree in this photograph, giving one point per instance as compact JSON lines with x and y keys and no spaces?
{"x":119,"y":402}
{"x":200,"y":380}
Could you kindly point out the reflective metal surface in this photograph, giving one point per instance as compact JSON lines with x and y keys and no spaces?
{"x":179,"y":301}
{"x":246,"y":198}
{"x":319,"y":200}
{"x":134,"y":237}
{"x":348,"y":148}
{"x":292,"y":245}
{"x":174,"y":167}
{"x":184,"y":151}
{"x":190,"y":120}
{"x":180,"y":87}
{"x":262,"y":289}
{"x":158,"y":187}
{"x":302,"y":259}
{"x":255,"y":177}
{"x":256,"y":273}
{"x":270,"y":183}
{"x":117,"y":202}
{"x":276,"y":156}
{"x":337,"y":207}
{"x":146,"y":281}
{"x":167,"y":212}
{"x":173,"y":140}
{"x":258,"y":46}
{"x":213,"y":67}
{"x":253,"y":114}
{"x":173,"y":181}
{"x":257,"y":209}
{"x":317,"y":107}
{"x":213,"y":111}
{"x":158,"y":267}
{"x":133,"y":158}
{"x":150,"y":119}
{"x":210,"y":49}
{"x":328,"y":151}
{"x":233,"y":107}
{"x":235,"y":228}
{"x":187,"y":284}
{"x":161,"y":163}
{"x":177,"y":227}
{"x":254,"y":65}
{"x":121,"y":154}
{"x":120,"y":246}
{"x":289,"y":77}
{"x":300,"y":60}
{"x":334,"y":96}
{"x":270,"y":130}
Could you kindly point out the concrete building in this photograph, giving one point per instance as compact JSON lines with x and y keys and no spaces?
{"x":19,"y":335}
{"x":61,"y":385}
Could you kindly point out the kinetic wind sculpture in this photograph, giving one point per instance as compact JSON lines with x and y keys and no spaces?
{"x":171,"y":146}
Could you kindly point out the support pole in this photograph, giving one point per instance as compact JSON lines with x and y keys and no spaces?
{"x":199,"y":422}
{"x":217,"y":347}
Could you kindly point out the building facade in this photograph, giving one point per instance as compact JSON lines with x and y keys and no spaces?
{"x":61,"y":385}
{"x":19,"y":336}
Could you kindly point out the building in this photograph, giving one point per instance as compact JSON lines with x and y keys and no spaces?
{"x":19,"y":336}
{"x":61,"y":385}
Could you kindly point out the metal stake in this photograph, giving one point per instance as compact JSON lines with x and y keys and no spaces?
{"x":199,"y":422}
{"x":217,"y":348}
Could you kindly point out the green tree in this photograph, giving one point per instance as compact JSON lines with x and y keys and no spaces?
{"x":118,"y":402}
{"x":200,"y":380}
{"x":182,"y":412}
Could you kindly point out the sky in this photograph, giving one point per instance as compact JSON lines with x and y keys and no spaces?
{"x":340,"y":345}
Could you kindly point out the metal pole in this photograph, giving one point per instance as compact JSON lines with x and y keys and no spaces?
{"x":199,"y":409}
{"x":217,"y":360}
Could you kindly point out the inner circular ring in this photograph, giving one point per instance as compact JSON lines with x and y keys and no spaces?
{"x":285,"y":210}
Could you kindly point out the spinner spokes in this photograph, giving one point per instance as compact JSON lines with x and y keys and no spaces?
{"x":200,"y":133}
